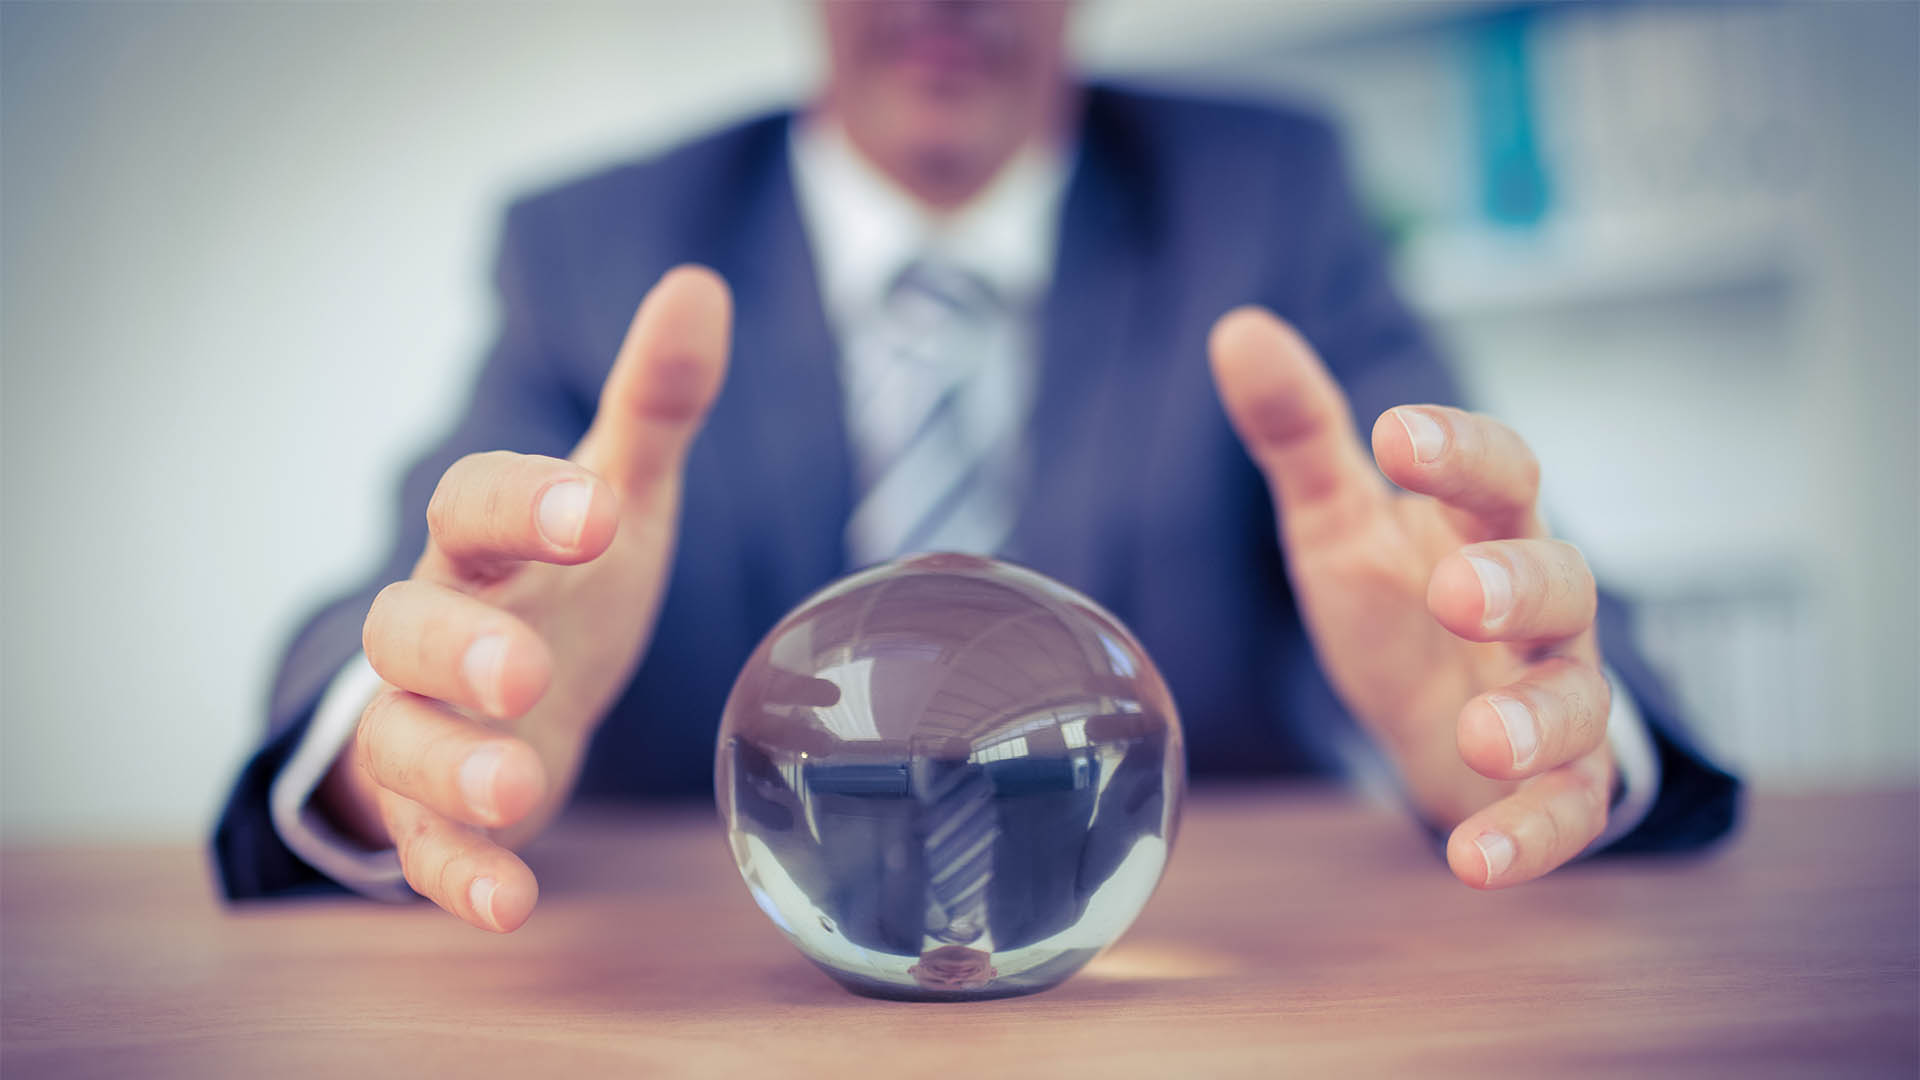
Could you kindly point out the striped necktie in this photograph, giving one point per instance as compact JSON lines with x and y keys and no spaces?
{"x":933,"y":415}
{"x":961,"y":825}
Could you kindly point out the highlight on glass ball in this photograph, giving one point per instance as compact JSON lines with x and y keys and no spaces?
{"x":949,"y":777}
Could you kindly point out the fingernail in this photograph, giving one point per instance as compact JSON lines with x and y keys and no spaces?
{"x":1523,"y":731}
{"x":563,"y":513}
{"x":476,"y":780}
{"x":482,"y":666}
{"x":1496,"y":848}
{"x":1496,"y":590}
{"x":1429,"y":439}
{"x":481,"y":894}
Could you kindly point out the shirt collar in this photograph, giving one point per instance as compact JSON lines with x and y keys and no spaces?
{"x":864,"y":229}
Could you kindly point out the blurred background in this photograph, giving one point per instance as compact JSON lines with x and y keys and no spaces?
{"x":245,"y":250}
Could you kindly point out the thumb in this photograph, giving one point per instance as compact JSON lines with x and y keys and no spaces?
{"x":663,"y":381}
{"x":1295,"y":423}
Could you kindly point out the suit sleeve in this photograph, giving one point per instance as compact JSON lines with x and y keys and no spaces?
{"x":520,"y":402}
{"x":1345,"y":302}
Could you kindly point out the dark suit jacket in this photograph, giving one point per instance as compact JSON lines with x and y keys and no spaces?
{"x":1141,"y":497}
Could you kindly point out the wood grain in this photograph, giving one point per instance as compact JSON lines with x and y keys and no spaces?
{"x":1298,"y":931}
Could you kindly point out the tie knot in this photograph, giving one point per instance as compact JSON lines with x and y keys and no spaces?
{"x":937,"y":291}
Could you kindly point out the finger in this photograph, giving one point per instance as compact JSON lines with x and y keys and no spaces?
{"x":445,"y":644}
{"x":1554,"y":715}
{"x":500,"y":508}
{"x":458,"y":868}
{"x":1513,"y":590}
{"x":1295,"y":423}
{"x":666,"y":376}
{"x":1547,"y":821}
{"x":420,"y":748}
{"x":1472,"y":463}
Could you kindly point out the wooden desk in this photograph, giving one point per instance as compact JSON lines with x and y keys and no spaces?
{"x":1298,"y":932}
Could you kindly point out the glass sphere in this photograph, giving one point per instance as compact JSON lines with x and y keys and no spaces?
{"x":949,"y":777}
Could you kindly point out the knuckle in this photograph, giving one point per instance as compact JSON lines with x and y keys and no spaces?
{"x":376,"y":732}
{"x":373,"y":630}
{"x":1554,"y":576}
{"x":1470,"y":432}
{"x":373,"y":717}
{"x":1561,"y":683}
{"x":1573,"y":701}
{"x":453,"y":496}
{"x":1534,"y":587}
{"x":1578,"y":713}
{"x":1587,"y":820}
{"x":1576,"y":821}
{"x":453,"y":871}
{"x":444,"y":503}
{"x":1528,"y":468}
{"x":1554,"y":831}
{"x":1579,"y":557}
{"x":1580,"y":596}
{"x":1595,"y":789}
{"x":413,"y":842}
{"x":1574,"y":563}
{"x":496,"y":508}
{"x":362,"y":741}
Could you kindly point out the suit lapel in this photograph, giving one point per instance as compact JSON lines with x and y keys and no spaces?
{"x":1084,"y":465}
{"x":786,"y":444}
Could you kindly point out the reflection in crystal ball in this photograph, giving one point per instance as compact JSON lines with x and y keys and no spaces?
{"x":950,"y":777}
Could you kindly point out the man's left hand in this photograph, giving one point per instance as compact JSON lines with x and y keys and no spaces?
{"x":1458,"y":633}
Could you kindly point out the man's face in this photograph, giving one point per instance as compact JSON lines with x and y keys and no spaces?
{"x":937,"y":84}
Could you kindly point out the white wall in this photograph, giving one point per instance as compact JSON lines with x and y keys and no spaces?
{"x":244,"y":250}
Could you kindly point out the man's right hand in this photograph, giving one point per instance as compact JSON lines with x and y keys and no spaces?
{"x":525,"y":618}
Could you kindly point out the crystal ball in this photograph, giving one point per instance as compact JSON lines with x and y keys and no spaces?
{"x":950,"y":777}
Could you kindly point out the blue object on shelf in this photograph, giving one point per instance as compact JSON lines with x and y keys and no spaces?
{"x":1514,"y":186}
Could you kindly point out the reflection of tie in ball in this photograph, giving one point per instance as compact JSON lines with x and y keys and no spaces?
{"x":950,"y":777}
{"x":962,"y":824}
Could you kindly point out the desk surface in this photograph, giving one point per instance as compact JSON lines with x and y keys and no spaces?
{"x":1298,"y":931}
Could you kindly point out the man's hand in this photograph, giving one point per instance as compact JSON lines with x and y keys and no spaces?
{"x":525,"y":617}
{"x":1457,"y":632}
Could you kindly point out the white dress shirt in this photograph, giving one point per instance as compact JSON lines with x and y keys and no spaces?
{"x":863,"y":231}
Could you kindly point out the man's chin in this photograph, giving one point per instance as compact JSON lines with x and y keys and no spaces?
{"x":952,"y":135}
{"x":947,"y":109}
{"x":945,"y":145}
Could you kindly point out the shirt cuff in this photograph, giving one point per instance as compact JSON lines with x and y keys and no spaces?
{"x":1636,"y":767}
{"x":302,"y":827}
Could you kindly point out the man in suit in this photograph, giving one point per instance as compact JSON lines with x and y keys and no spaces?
{"x":1171,"y":312}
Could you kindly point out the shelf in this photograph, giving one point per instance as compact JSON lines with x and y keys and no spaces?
{"x":1134,"y":35}
{"x":1480,"y":271}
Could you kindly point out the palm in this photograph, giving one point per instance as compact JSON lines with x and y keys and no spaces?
{"x":596,"y":619}
{"x":1363,"y":596}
